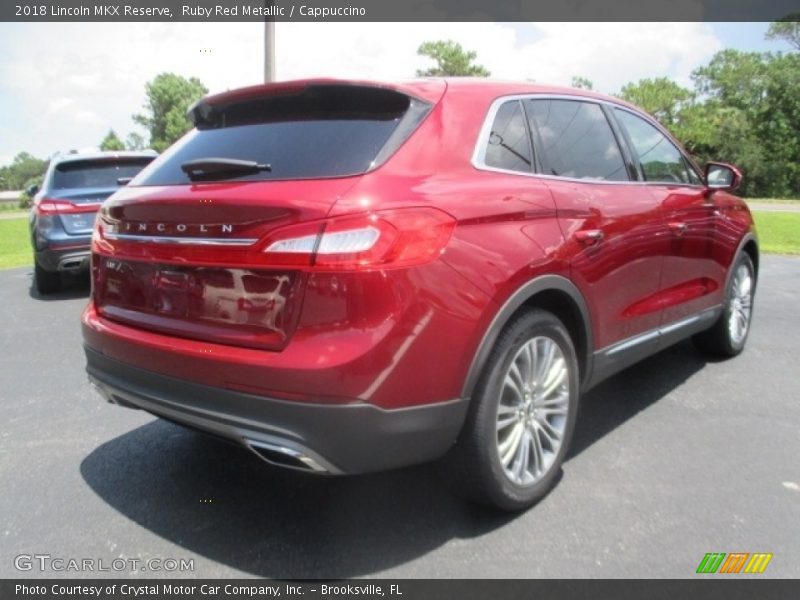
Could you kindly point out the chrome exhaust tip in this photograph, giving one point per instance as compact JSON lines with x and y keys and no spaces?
{"x":281,"y":456}
{"x":72,"y":264}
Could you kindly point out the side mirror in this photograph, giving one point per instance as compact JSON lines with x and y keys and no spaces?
{"x":32,"y":189}
{"x":124,"y":180}
{"x":722,"y":176}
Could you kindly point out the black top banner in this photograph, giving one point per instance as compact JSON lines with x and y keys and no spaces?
{"x":398,"y":10}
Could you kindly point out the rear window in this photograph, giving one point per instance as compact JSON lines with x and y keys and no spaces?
{"x":96,"y":173}
{"x":318,"y":132}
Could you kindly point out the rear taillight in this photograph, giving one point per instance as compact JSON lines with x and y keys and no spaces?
{"x":383,"y":239}
{"x":49,"y":206}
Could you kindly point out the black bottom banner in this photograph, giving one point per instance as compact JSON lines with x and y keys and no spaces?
{"x":400,"y":589}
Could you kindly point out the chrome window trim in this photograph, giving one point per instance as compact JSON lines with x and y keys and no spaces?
{"x":479,"y":153}
{"x":153,"y":239}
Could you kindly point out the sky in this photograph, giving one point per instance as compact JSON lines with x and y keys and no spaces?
{"x":64,"y":85}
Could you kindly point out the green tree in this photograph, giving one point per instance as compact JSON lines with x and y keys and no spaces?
{"x":26,"y":199}
{"x":168,"y":98}
{"x":712,"y":131}
{"x":734,"y":78}
{"x":762,"y":90}
{"x":582,"y":83}
{"x":451,"y":60}
{"x":23,"y":168}
{"x":111,"y":142}
{"x":134,"y":141}
{"x":777,"y":122}
{"x":787,"y":29}
{"x":661,"y":97}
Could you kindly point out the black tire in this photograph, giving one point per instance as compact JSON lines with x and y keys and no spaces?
{"x":473,"y":466}
{"x":47,"y":282}
{"x":719,"y":340}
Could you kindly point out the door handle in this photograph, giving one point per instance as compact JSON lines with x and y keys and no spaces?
{"x":678,"y":228}
{"x":589,"y":237}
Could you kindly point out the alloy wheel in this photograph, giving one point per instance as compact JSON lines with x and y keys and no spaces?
{"x":740,"y":304}
{"x":532,"y":413}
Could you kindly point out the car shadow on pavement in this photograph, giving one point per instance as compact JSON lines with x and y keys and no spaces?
{"x":622,"y":397}
{"x":223,"y":503}
{"x":72,"y":287}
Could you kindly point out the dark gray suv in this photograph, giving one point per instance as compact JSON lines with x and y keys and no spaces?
{"x":63,"y":211}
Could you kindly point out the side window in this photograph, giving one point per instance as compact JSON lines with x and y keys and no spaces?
{"x":576,"y":140}
{"x":660,"y":160}
{"x":509,"y":145}
{"x":694,"y":178}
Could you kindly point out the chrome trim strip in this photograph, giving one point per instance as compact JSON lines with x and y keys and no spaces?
{"x":479,"y":153}
{"x":633,"y":341}
{"x":659,"y":331}
{"x":152,"y":239}
{"x":682,"y":323}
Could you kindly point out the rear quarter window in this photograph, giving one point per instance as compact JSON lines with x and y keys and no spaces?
{"x":509,"y":146}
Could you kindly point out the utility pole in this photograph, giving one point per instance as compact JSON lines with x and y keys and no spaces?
{"x":269,"y":47}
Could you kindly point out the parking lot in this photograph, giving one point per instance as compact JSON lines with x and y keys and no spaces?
{"x":672,"y":459}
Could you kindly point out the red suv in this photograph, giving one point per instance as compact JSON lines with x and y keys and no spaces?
{"x":354,"y":276}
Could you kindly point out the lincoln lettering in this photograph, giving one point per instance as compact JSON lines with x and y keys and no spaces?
{"x":197,"y":229}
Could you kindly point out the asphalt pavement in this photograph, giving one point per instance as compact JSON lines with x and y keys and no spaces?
{"x":676,"y":457}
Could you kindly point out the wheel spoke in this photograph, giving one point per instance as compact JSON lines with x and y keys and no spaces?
{"x":555,"y":377}
{"x":520,"y":466}
{"x":742,"y":322}
{"x":552,"y":435}
{"x":515,"y":374}
{"x":553,"y":411}
{"x":538,"y":454}
{"x":744,"y":287}
{"x":546,"y":363}
{"x":505,"y":422}
{"x":561,"y":400}
{"x":509,"y":446}
{"x":531,"y":353}
{"x":512,"y":384}
{"x":504,"y":409}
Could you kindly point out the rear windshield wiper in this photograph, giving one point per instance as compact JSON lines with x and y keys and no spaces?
{"x":217,"y":168}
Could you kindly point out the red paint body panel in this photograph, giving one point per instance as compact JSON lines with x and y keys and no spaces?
{"x":369,"y":337}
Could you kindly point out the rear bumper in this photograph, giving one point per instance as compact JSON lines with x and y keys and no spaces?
{"x":335,"y":439}
{"x":70,"y":259}
{"x":58,"y":251}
